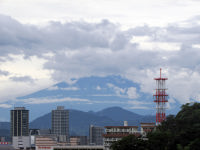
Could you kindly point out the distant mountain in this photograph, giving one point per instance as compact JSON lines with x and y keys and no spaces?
{"x":90,"y":94}
{"x":119,"y":114}
{"x":5,"y":130}
{"x":43,"y":122}
{"x":5,"y":125}
{"x":80,"y":121}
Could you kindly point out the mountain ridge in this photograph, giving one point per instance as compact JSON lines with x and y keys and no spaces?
{"x":80,"y":121}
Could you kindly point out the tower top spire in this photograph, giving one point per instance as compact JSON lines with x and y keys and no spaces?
{"x":160,"y":72}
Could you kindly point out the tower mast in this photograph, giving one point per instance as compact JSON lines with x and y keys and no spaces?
{"x":160,"y":98}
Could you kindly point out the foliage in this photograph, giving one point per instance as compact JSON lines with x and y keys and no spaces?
{"x":129,"y":143}
{"x":180,"y":132}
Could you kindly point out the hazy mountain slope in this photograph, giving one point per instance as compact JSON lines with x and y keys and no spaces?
{"x":79,"y":122}
{"x":119,"y":114}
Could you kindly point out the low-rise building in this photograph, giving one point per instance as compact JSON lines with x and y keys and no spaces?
{"x":116,"y":133}
{"x":78,"y":147}
{"x":78,"y":140}
{"x":45,"y":142}
{"x":146,"y":128}
{"x":21,"y":142}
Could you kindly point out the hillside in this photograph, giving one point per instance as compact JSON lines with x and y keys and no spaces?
{"x":80,"y":121}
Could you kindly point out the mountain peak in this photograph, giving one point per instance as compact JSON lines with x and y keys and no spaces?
{"x":118,"y":114}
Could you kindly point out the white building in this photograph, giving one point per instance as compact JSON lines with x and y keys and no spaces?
{"x":115,"y":133}
{"x":23,"y":142}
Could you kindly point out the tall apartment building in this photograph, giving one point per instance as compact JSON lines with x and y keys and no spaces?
{"x":19,"y":124}
{"x":60,"y":123}
{"x":19,"y":119}
{"x":96,"y":135}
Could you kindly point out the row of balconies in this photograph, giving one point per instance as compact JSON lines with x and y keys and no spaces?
{"x":121,"y":130}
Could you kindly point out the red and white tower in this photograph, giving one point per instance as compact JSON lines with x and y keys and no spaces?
{"x":160,"y":98}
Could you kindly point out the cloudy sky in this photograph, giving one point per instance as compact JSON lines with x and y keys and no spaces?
{"x":43,"y":42}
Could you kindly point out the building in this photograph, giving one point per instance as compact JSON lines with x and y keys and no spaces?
{"x":60,"y":123}
{"x":19,"y":123}
{"x":49,"y":142}
{"x":33,"y":133}
{"x":19,"y":119}
{"x":78,"y":140}
{"x":78,"y":147}
{"x":45,"y":141}
{"x":116,"y":133}
{"x":21,"y":142}
{"x":96,"y":135}
{"x":146,"y":128}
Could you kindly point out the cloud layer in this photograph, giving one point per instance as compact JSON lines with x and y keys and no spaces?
{"x":80,"y":49}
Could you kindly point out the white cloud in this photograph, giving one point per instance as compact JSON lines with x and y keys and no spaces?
{"x":139,"y":105}
{"x":132,"y":93}
{"x":152,"y":46}
{"x":5,"y":106}
{"x":127,"y":12}
{"x":82,"y":49}
{"x":98,"y":87}
{"x":66,"y":89}
{"x":118,"y":91}
{"x":53,"y":100}
{"x":53,"y":88}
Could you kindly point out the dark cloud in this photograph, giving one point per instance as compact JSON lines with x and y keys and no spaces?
{"x":30,"y":40}
{"x":4,"y":73}
{"x":22,"y":79}
{"x":84,"y":49}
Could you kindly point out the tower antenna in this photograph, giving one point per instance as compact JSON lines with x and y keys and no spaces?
{"x":160,"y":98}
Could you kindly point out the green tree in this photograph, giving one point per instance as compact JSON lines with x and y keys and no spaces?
{"x":180,"y":132}
{"x":129,"y":143}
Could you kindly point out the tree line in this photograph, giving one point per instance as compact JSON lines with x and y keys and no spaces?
{"x":180,"y":132}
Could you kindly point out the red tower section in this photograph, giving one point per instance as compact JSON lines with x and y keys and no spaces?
{"x":160,"y":98}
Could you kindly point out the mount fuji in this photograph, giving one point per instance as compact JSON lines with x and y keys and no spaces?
{"x":91,"y":94}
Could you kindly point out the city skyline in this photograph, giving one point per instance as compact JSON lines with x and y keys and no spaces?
{"x":70,"y":40}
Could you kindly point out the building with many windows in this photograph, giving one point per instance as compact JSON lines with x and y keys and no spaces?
{"x":60,"y":123}
{"x":96,"y":135}
{"x":19,"y":119}
{"x":19,"y":124}
{"x":116,"y":133}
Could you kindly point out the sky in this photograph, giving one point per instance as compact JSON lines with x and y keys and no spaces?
{"x":49,"y":41}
